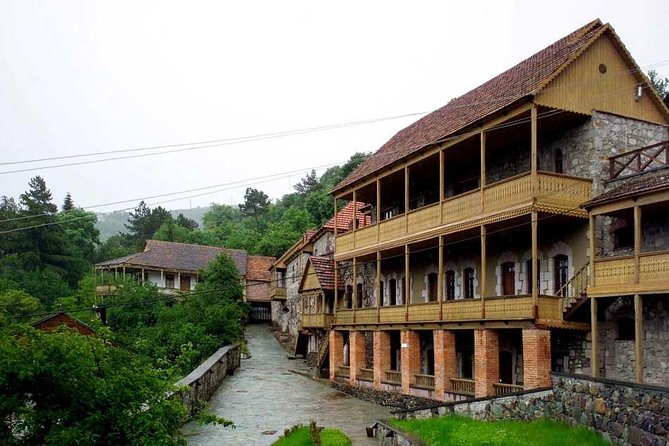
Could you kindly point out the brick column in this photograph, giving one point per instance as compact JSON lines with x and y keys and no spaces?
{"x":381,"y":356}
{"x":486,"y":361}
{"x":336,"y":352}
{"x":445,"y":361}
{"x":410,"y":354}
{"x":357,"y":354}
{"x":536,"y":358}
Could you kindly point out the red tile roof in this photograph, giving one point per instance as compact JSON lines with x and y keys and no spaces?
{"x":502,"y":91}
{"x":178,"y":256}
{"x":633,"y":187}
{"x":345,"y":215}
{"x":324,"y":267}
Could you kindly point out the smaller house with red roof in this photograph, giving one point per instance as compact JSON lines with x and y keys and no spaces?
{"x":54,"y":321}
{"x":174,"y":267}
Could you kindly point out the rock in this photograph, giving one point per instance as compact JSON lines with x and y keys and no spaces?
{"x":600,"y":406}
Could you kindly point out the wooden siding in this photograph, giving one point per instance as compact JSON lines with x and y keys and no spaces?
{"x":581,"y":87}
{"x":319,"y":320}
{"x":310,"y":279}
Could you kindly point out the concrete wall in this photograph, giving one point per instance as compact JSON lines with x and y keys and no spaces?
{"x":204,"y":380}
{"x":624,"y":413}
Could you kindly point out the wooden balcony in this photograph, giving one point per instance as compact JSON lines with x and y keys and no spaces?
{"x":554,"y":193}
{"x":463,"y":386}
{"x":318,"y":320}
{"x":365,"y":375}
{"x":343,"y":371}
{"x":278,"y":293}
{"x":393,"y":377}
{"x":104,"y":290}
{"x":424,"y":381}
{"x":505,"y":389}
{"x":496,"y":309}
{"x":618,"y":275}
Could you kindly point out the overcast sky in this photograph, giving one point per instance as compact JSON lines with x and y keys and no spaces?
{"x":88,"y":76}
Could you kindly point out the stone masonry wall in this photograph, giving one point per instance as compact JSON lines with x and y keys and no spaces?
{"x":625,"y":413}
{"x":324,"y":245}
{"x":204,"y":380}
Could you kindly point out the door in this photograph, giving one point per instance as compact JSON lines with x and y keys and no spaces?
{"x":185,"y":283}
{"x":505,"y":367}
{"x":508,"y":279}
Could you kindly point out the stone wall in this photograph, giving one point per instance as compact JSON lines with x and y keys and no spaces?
{"x":324,"y":245}
{"x":625,"y":413}
{"x":384,"y":398}
{"x":204,"y":380}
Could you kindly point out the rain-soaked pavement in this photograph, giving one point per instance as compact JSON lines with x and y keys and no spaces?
{"x":263,"y":398}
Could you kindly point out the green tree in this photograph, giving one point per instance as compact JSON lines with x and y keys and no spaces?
{"x":68,"y":203}
{"x":16,"y":305}
{"x":255,"y":204}
{"x":144,"y":222}
{"x":308,"y":184}
{"x":660,"y":84}
{"x":186,"y":222}
{"x":282,"y":234}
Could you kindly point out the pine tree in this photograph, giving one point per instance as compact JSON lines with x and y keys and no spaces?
{"x":68,"y":203}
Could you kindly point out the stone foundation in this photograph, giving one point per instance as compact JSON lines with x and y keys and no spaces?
{"x":383,"y":398}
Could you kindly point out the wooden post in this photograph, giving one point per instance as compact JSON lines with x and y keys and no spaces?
{"x":441,"y":186}
{"x":354,"y":304}
{"x":594,"y":336}
{"x":335,"y":220}
{"x":440,"y":279}
{"x":355,"y":216}
{"x":483,"y":170}
{"x":484,"y":269}
{"x":179,"y":280}
{"x":162,"y":278}
{"x":535,"y":265}
{"x":142,"y":275}
{"x":124,"y":273}
{"x":593,"y":249}
{"x":638,"y":337}
{"x":336,"y":287}
{"x":378,"y":209}
{"x":406,"y":199}
{"x":637,"y":241}
{"x":378,"y":286}
{"x":407,"y":283}
{"x":533,"y":148}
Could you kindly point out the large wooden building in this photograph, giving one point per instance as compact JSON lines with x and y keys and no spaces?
{"x":478,"y":273}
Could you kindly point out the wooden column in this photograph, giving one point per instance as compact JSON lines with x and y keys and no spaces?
{"x":535,"y":265}
{"x":378,"y":209}
{"x":406,"y":199}
{"x":483,"y":170}
{"x":484,"y":269}
{"x":440,"y":279}
{"x":336,"y":288}
{"x":355,"y":216}
{"x":638,"y":337}
{"x":178,"y":280}
{"x":407,"y":283}
{"x":335,"y":218}
{"x":355,"y":286}
{"x":594,"y":336}
{"x":637,"y":241}
{"x":162,"y":278}
{"x":378,"y":286}
{"x":533,"y":148}
{"x":124,"y":273}
{"x":593,"y":249}
{"x":441,"y":185}
{"x":142,"y":275}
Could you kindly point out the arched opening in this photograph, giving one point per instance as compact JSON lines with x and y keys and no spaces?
{"x":559,"y":161}
{"x":432,"y":280}
{"x":508,"y":278}
{"x":468,"y":283}
{"x":561,"y":270}
{"x":348,"y":299}
{"x":358,"y":303}
{"x":450,"y":284}
{"x":392,"y":284}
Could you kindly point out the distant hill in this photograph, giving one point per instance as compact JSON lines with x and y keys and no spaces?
{"x":114,"y":222}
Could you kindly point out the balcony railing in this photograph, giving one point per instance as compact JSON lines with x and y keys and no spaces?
{"x":505,"y":389}
{"x":640,"y":160}
{"x":102,"y":290}
{"x":496,"y":308}
{"x":343,"y":371}
{"x":424,"y":381}
{"x":318,"y":320}
{"x":618,"y":274}
{"x":463,"y":386}
{"x":553,"y":191}
{"x":278,"y":293}
{"x":393,"y":376}
{"x":366,"y":374}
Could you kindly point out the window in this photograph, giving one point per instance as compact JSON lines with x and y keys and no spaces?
{"x":349,"y":296}
{"x":558,"y":161}
{"x":508,"y":279}
{"x":468,"y":283}
{"x":450,"y":284}
{"x":169,"y":280}
{"x":392,"y":284}
{"x":432,"y":287}
{"x":381,"y":293}
{"x":561,"y":267}
{"x":358,"y":304}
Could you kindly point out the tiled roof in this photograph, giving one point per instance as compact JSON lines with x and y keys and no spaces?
{"x":178,"y":256}
{"x":324,"y":267}
{"x":518,"y":82}
{"x":632,"y":187}
{"x":345,"y":215}
{"x":257,"y":268}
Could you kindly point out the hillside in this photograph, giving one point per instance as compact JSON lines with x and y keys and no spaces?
{"x":113,"y":222}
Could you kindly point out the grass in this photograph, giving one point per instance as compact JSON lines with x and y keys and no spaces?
{"x":454,"y":430}
{"x":302,"y":437}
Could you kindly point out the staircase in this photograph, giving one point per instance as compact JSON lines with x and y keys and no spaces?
{"x":323,"y":350}
{"x":574,"y":292}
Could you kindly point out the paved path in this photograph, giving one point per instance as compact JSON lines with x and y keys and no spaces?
{"x":264,"y":396}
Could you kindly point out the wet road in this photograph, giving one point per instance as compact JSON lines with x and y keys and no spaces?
{"x":263,"y":398}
